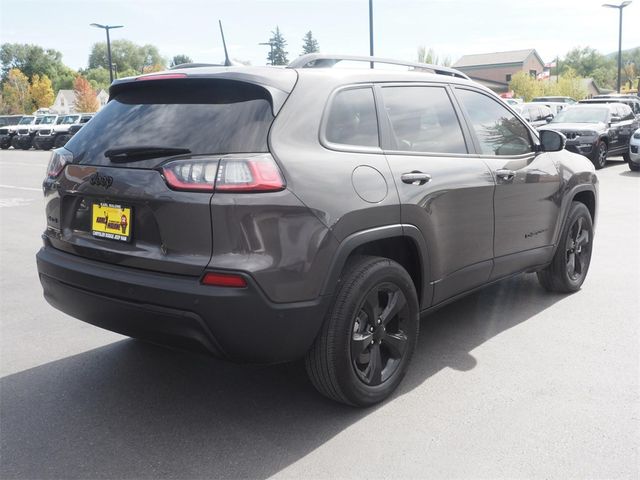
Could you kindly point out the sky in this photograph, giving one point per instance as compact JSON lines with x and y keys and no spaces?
{"x":451,"y":27}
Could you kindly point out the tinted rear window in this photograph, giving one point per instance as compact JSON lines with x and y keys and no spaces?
{"x":204,"y":116}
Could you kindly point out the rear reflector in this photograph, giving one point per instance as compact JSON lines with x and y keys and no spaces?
{"x":224,"y":280}
{"x":162,"y":76}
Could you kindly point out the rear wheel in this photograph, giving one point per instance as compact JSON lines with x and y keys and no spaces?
{"x":570,"y":264}
{"x":368,"y":337}
{"x":599,"y":156}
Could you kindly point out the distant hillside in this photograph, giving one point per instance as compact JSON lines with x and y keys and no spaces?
{"x":615,"y":54}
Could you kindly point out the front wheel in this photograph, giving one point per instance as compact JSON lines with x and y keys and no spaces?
{"x":570,"y":264}
{"x":634,"y":167}
{"x":599,"y":157}
{"x":369,"y":335}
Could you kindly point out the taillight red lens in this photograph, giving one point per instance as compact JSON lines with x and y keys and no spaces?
{"x":224,"y":280}
{"x":246,"y":173}
{"x":60,"y":157}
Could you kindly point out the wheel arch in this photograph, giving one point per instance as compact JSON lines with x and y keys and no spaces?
{"x":401,"y":243}
{"x":586,"y":194}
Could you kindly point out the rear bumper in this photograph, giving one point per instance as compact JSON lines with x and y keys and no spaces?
{"x":236,"y":324}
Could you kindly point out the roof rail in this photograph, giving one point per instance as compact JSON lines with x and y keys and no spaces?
{"x":320,"y":60}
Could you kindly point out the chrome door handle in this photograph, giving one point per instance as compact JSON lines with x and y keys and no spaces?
{"x":505,"y":174}
{"x":415,"y":178}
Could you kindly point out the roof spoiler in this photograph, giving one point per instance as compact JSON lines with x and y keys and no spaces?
{"x":320,"y":60}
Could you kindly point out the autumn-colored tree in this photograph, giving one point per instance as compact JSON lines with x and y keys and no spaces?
{"x":41,"y":91}
{"x":16,"y":97}
{"x":86,"y":99}
{"x":153,"y":68}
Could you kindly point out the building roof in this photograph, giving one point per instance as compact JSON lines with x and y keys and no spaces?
{"x":496,"y":58}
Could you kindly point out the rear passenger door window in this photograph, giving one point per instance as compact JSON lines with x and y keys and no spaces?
{"x":423,"y":120}
{"x":352,"y":119}
{"x":497,"y":130}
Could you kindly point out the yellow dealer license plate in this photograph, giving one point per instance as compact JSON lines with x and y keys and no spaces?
{"x":111,"y":221}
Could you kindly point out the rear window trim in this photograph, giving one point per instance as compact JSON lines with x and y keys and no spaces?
{"x":341,"y":147}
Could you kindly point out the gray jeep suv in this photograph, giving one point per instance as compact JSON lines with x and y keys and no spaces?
{"x":271,"y":214}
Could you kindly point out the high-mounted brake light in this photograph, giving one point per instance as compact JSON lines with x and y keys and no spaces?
{"x":162,"y":76}
{"x":241,"y":173}
{"x":224,"y":280}
{"x":60,"y":157}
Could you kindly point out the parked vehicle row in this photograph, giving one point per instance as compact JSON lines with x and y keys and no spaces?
{"x":42,"y":132}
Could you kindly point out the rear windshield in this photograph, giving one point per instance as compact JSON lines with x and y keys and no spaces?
{"x":204,"y":116}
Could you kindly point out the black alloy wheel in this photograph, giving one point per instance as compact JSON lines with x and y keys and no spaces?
{"x":379,"y":341}
{"x":568,"y":268}
{"x":369,"y":334}
{"x":600,"y":157}
{"x":578,"y":249}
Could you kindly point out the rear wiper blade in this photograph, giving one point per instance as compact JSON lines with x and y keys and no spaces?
{"x":137,"y":153}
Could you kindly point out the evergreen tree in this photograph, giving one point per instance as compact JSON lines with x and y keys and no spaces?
{"x":310,"y":44}
{"x":277,"y":55}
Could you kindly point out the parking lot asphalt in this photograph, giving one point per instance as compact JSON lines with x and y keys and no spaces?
{"x":511,"y":382}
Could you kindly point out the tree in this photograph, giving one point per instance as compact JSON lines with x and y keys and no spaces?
{"x":430,"y":56}
{"x":16,"y":97}
{"x":180,"y":59}
{"x":310,"y":44}
{"x":32,"y":60}
{"x":97,"y":77}
{"x":525,"y":86}
{"x":588,"y":62}
{"x":41,"y":91}
{"x":126,"y":55}
{"x":277,"y":55}
{"x":86,"y":99}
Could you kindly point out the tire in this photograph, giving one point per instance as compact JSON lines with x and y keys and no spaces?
{"x":634,"y":167}
{"x":626,"y":156}
{"x":370,"y":287}
{"x":570,"y":263}
{"x":59,"y":141}
{"x":599,"y":156}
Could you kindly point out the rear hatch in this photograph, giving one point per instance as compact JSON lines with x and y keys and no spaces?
{"x":114,"y":201}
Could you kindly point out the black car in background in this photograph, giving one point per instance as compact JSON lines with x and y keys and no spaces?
{"x":631,"y":101}
{"x":596,"y":131}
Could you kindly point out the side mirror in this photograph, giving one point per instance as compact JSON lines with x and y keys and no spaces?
{"x":548,"y":118}
{"x":552,"y":141}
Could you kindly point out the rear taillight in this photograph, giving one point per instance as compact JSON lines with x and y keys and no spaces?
{"x":60,"y":157}
{"x":233,"y":173}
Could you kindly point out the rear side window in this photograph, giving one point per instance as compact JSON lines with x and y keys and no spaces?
{"x":352,"y":118}
{"x":203,"y":115}
{"x":498,"y":131}
{"x":423,"y":120}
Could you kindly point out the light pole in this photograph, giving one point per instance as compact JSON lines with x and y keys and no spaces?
{"x":620,"y":8}
{"x":271,"y":46}
{"x":107,"y":28}
{"x":371,"y":30}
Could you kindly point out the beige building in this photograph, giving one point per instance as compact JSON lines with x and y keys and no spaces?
{"x":495,"y":70}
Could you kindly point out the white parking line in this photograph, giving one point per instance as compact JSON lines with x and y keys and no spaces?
{"x":17,"y":164}
{"x":31,"y":189}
